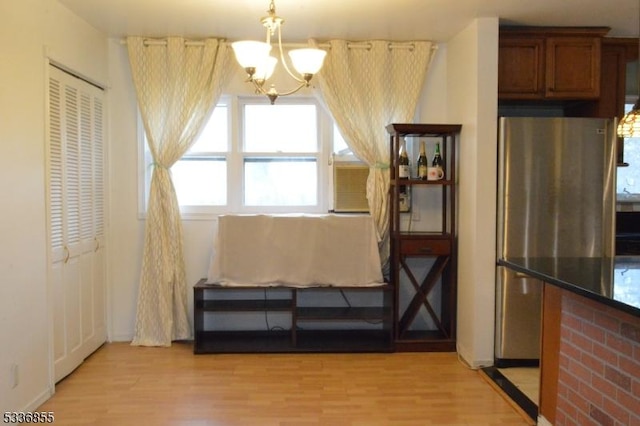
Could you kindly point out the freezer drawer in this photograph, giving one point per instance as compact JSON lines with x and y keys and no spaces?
{"x":518,"y":317}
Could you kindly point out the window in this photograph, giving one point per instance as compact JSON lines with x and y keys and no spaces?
{"x":628,"y":182}
{"x":253,"y":157}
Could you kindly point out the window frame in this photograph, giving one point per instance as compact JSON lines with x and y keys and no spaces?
{"x":235,"y":163}
{"x":628,"y":197}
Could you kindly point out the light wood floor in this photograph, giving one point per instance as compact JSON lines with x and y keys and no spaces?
{"x":125,"y":385}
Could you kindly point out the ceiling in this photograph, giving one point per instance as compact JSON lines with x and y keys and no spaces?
{"x":436,"y":20}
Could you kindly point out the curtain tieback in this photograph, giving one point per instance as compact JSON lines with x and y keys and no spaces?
{"x":158,"y":166}
{"x":381,"y":166}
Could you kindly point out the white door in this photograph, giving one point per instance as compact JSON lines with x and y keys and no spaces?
{"x":76,"y":219}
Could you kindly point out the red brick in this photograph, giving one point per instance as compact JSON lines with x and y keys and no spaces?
{"x":583,"y":342}
{"x":591,"y":394}
{"x":635,"y":388}
{"x":570,"y":381}
{"x":616,"y":376}
{"x":628,"y":401}
{"x":605,"y":353}
{"x":600,"y":416}
{"x":634,"y":420}
{"x":619,"y":344}
{"x":629,"y":366}
{"x":564,"y":359}
{"x":568,"y":349}
{"x":580,"y":310}
{"x":572,"y":322}
{"x":595,"y":364}
{"x":564,"y":406}
{"x":594,"y":332}
{"x":578,"y":401}
{"x":607,"y":322}
{"x":605,"y":386}
{"x":630,"y":331}
{"x":583,"y":419}
{"x":580,"y":371}
{"x":566,"y":331}
{"x":613,"y":409}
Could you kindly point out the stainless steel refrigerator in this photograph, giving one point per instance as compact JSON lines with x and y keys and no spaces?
{"x":556,"y":198}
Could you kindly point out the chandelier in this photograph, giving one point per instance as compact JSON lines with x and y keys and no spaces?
{"x":255,"y":58}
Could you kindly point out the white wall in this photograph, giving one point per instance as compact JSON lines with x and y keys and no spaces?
{"x":472,"y":87}
{"x":29,"y":29}
{"x":461,"y":87}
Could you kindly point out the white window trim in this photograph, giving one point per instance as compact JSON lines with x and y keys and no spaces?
{"x":235,"y":166}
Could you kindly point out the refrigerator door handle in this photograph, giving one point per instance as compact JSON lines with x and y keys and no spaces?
{"x":521,"y":275}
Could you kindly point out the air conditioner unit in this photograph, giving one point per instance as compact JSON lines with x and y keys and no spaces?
{"x":350,"y":187}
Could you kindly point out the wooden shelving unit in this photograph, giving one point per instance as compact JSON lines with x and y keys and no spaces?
{"x":310,"y":324}
{"x":437,"y":249}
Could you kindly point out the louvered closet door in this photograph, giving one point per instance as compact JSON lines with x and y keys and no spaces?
{"x":76,"y":219}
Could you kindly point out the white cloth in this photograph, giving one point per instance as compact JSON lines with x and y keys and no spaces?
{"x":296,"y":251}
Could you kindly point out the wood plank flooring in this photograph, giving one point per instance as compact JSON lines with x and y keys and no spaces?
{"x":125,"y":385}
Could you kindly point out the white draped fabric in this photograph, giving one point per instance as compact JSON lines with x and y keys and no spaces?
{"x":296,"y":250}
{"x":177,"y":85}
{"x":367,"y":85}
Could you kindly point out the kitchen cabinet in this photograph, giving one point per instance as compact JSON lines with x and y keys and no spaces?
{"x":423,"y":264}
{"x":549,"y":63}
{"x":616,"y":54}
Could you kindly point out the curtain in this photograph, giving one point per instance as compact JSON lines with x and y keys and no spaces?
{"x":365,"y":86}
{"x":177,"y":86}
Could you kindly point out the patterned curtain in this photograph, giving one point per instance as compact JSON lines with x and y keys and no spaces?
{"x":366,"y":86}
{"x":177,"y":85}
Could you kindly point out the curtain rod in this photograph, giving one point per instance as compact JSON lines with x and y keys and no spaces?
{"x":353,"y":45}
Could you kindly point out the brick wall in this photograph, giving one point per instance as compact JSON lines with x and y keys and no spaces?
{"x":599,"y":376}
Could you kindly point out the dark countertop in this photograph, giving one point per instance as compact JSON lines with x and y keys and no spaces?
{"x":611,"y":281}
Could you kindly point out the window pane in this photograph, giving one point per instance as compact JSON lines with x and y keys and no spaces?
{"x":280,"y":128}
{"x":339,"y":144}
{"x":628,"y":181}
{"x":200,"y":181}
{"x":214,"y":136}
{"x":280,"y":182}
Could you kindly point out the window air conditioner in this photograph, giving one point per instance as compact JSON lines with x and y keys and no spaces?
{"x":350,"y":187}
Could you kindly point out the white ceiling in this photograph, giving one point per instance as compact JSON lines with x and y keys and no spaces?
{"x":436,"y":20}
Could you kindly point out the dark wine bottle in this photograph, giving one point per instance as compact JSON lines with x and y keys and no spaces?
{"x":403,"y":173}
{"x":422,"y":162}
{"x":403,"y":162}
{"x":437,"y":158}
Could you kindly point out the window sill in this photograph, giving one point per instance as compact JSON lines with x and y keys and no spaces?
{"x":627,"y":198}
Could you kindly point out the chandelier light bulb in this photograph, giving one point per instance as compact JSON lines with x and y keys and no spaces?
{"x":254,"y":57}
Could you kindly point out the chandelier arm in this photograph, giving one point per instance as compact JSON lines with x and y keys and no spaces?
{"x":292,"y":91}
{"x":284,"y":62}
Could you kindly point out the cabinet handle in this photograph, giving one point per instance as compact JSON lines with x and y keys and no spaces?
{"x":66,"y":254}
{"x":426,"y":249}
{"x":97,"y":244}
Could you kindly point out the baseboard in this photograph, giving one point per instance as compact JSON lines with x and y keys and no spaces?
{"x":38,"y":401}
{"x":543,"y":422}
{"x":473,"y":364}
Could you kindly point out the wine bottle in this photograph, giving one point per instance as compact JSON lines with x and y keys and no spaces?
{"x":403,"y":173}
{"x":437,"y":158}
{"x":403,"y":162}
{"x":422,"y":162}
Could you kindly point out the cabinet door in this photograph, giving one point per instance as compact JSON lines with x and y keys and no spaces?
{"x":573,"y":67}
{"x":521,"y":68}
{"x":76,"y":219}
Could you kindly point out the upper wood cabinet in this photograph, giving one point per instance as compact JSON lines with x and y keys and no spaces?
{"x":536,"y":63}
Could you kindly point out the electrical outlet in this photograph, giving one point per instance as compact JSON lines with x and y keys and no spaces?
{"x":415,"y":215}
{"x":14,"y":376}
